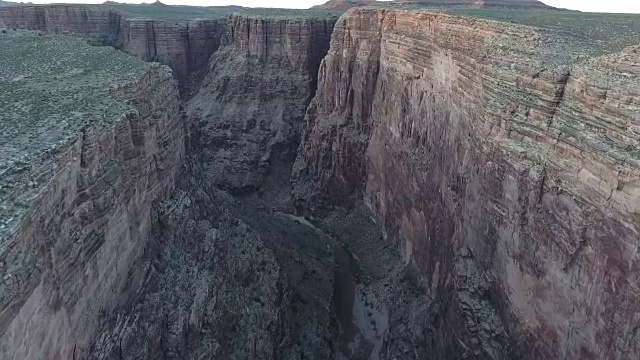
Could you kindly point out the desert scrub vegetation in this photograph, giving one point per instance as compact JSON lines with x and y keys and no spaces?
{"x":50,"y":88}
{"x":572,"y":32}
{"x":174,"y":12}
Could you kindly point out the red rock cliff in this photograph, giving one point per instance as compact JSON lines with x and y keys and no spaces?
{"x":249,"y":111}
{"x":68,"y":261}
{"x":507,"y":4}
{"x":511,"y":184}
{"x":62,"y":19}
{"x":185,"y":45}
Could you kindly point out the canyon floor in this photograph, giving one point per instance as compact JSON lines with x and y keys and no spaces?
{"x":413,"y":180}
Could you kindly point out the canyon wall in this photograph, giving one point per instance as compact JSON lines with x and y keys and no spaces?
{"x":145,"y":280}
{"x":505,"y":4}
{"x":185,"y":45}
{"x":248,"y":113}
{"x":63,"y":19}
{"x":480,"y":4}
{"x":229,"y":281}
{"x":66,"y":265}
{"x":507,"y":178}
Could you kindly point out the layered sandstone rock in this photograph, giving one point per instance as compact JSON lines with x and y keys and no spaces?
{"x":239,"y":287}
{"x":185,"y":45}
{"x":247,"y":115}
{"x":480,"y":4}
{"x":81,"y":183}
{"x":63,"y":19}
{"x":506,"y":4}
{"x":507,"y":178}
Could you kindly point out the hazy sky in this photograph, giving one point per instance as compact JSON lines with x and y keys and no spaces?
{"x":583,"y":5}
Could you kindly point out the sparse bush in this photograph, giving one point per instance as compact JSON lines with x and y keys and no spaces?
{"x":103,"y":41}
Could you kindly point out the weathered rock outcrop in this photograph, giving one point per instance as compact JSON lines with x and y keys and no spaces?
{"x":63,"y":19}
{"x":248,"y":113}
{"x":88,"y":209}
{"x":480,"y":4}
{"x":234,"y":285}
{"x":508,"y":179}
{"x":228,"y":282}
{"x":185,"y":45}
{"x":505,"y":4}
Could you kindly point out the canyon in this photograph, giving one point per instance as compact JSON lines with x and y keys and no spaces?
{"x":479,"y":4}
{"x":383,"y":184}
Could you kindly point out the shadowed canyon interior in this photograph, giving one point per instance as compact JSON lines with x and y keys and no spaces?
{"x":414,"y":180}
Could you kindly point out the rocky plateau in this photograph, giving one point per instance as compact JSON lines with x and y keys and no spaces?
{"x":390,"y":183}
{"x":479,"y":4}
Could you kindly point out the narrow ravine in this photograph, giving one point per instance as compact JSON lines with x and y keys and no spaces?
{"x":360,"y":309}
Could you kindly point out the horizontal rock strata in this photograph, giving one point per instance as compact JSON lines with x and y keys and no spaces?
{"x":65,"y":264}
{"x":509,"y":181}
{"x":248,"y":113}
{"x":480,"y":4}
{"x":185,"y":45}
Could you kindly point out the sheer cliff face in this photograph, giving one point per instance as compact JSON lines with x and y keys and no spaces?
{"x":68,"y":262}
{"x":248,"y":113}
{"x":62,"y":18}
{"x":506,"y":4}
{"x":107,"y":275}
{"x":248,"y":105}
{"x":509,"y":182}
{"x":229,"y":282}
{"x":185,"y":45}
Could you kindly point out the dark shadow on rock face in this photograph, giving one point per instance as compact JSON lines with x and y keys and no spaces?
{"x":227,"y":281}
{"x":251,"y":105}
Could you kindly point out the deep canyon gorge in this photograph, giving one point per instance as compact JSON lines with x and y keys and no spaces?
{"x":391,"y":182}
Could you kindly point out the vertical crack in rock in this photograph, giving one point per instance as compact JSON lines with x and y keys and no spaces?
{"x":562,"y":82}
